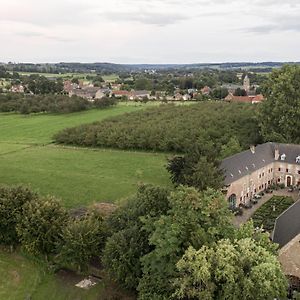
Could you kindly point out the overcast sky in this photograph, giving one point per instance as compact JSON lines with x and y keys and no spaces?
{"x":149,"y":31}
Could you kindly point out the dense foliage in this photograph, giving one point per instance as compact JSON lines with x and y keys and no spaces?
{"x":11,"y":204}
{"x":239,"y":269}
{"x":40,"y":226}
{"x":129,"y":240}
{"x":194,"y":219}
{"x":26,"y":104}
{"x":280,"y":113}
{"x":82,"y":239}
{"x":171,"y":128}
{"x":197,"y":168}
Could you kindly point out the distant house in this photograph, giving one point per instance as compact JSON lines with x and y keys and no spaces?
{"x":121,"y":93}
{"x":139,"y":95}
{"x":206,"y":90}
{"x":186,"y":97}
{"x":245,"y":99}
{"x":254,"y":170}
{"x":18,"y":88}
{"x":89,"y":93}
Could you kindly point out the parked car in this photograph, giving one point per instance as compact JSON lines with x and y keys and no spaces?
{"x":253,"y":201}
{"x":257,"y":196}
{"x":290,"y":189}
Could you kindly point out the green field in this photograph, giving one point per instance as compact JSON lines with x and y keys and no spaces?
{"x":79,"y":176}
{"x":22,"y":279}
{"x":76,"y":175}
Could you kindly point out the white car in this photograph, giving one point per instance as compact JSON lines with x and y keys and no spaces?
{"x":256,"y":196}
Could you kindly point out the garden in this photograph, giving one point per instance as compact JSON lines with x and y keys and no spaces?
{"x":266,"y":215}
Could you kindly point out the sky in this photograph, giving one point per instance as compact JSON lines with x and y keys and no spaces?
{"x":149,"y":31}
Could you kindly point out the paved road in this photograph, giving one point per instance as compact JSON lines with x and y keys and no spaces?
{"x":238,"y":220}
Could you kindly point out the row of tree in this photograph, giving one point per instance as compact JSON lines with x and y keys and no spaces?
{"x":161,"y":243}
{"x":26,"y":104}
{"x":44,"y":228}
{"x":210,"y":125}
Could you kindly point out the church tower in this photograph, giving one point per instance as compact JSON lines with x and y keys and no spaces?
{"x":246,"y":84}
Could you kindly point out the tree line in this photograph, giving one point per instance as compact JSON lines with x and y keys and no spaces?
{"x":49,"y":103}
{"x":160,"y":243}
{"x":170,"y":128}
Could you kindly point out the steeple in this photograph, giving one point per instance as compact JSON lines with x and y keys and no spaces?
{"x":246,"y":84}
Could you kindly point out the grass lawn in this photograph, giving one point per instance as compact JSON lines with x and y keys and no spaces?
{"x":39,"y":128}
{"x":81,"y":176}
{"x":78,"y":176}
{"x":24,"y":279}
{"x":266,"y":215}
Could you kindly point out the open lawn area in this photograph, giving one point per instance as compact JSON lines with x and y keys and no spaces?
{"x":39,"y":128}
{"x":23,"y":278}
{"x":79,"y":176}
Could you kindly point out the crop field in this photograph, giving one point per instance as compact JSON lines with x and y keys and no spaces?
{"x":76,"y":175}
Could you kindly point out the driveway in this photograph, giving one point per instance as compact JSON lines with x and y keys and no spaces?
{"x":247,"y":213}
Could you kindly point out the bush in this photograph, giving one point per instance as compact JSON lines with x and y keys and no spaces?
{"x":40,"y":226}
{"x":81,"y":240}
{"x":12,"y":200}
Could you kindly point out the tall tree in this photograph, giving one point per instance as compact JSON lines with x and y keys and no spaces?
{"x":194,"y":219}
{"x":40,"y":226}
{"x":238,"y":269}
{"x":280,"y":112}
{"x":12,"y":200}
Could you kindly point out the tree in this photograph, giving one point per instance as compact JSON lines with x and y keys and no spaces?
{"x":40,"y":226}
{"x":240,"y":92}
{"x":81,"y":240}
{"x":12,"y":200}
{"x":129,"y":240}
{"x":238,"y":269}
{"x":105,"y":102}
{"x":280,"y":112}
{"x":220,"y":93}
{"x":194,"y":219}
{"x":232,"y":147}
{"x":195,"y":169}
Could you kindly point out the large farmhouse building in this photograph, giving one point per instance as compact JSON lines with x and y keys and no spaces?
{"x":252,"y":171}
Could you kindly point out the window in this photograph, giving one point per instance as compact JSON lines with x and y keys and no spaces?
{"x":247,"y":195}
{"x":263,"y":174}
{"x":278,"y":180}
{"x":259,"y":175}
{"x":299,"y":172}
{"x":271,"y":169}
{"x":279,"y":169}
{"x":287,"y":170}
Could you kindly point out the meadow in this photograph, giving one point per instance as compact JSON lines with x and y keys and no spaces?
{"x":76,"y":175}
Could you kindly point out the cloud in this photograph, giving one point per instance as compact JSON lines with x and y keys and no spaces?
{"x":278,"y":24}
{"x":151,"y":18}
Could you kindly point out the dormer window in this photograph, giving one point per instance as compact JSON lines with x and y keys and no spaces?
{"x":283,"y":157}
{"x":298,"y":159}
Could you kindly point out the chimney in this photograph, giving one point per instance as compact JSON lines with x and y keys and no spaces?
{"x":252,"y":149}
{"x":276,"y":153}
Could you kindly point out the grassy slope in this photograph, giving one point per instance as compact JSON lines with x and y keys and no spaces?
{"x":79,"y":176}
